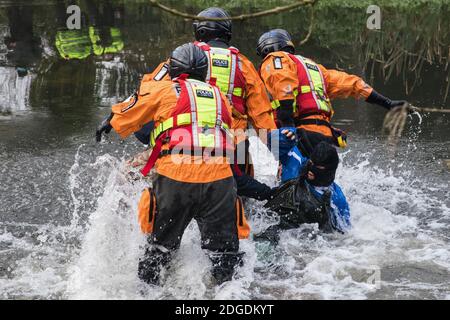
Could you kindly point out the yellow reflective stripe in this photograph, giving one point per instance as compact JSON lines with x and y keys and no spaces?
{"x":275,"y":104}
{"x":183,"y":119}
{"x":294,"y":105}
{"x":166,"y":125}
{"x":305,"y":89}
{"x":324,"y":105}
{"x":207,"y":140}
{"x":316,"y":79}
{"x":237,"y":92}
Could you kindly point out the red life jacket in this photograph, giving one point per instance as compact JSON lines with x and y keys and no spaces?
{"x":199,"y":120}
{"x":224,"y":67}
{"x":311,"y":96}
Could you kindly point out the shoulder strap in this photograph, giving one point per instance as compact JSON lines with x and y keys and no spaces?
{"x":202,"y":45}
{"x":233,"y":50}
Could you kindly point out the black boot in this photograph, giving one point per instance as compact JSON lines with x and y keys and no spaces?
{"x":151,"y":263}
{"x":224,"y":265}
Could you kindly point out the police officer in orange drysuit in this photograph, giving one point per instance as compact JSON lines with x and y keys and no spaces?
{"x":194,"y":179}
{"x":301,"y":91}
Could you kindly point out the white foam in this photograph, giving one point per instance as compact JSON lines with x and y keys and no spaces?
{"x":96,"y":255}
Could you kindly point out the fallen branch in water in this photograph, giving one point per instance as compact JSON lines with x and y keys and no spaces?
{"x":275,"y":10}
{"x":394,"y":122}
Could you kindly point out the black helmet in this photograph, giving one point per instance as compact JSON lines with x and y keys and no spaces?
{"x":274,"y":40}
{"x":210,"y":30}
{"x":188,"y":59}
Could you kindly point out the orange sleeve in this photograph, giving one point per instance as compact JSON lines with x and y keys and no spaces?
{"x":160,"y":73}
{"x":257,"y":101}
{"x":141,"y":108}
{"x":279,"y":74}
{"x":343,"y":85}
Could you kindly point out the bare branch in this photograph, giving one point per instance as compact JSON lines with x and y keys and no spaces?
{"x":275,"y":10}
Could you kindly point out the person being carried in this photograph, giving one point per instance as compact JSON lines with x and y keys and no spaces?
{"x":302,"y":90}
{"x":194,"y":179}
{"x":308,"y":193}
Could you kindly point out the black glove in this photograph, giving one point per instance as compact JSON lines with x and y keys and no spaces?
{"x":381,"y":100}
{"x":105,"y":127}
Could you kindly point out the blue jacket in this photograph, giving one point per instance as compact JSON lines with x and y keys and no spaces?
{"x":292,"y":162}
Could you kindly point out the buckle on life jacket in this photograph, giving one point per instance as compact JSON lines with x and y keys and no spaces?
{"x":340,"y":136}
{"x":342,"y":141}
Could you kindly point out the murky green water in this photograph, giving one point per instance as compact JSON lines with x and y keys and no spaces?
{"x":67,"y":224}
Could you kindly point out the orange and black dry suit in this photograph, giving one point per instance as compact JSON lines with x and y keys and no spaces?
{"x":301,"y":91}
{"x":238,"y":79}
{"x":190,"y":116}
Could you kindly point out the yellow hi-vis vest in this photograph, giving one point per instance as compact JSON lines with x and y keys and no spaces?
{"x":199,"y":110}
{"x":311,"y":95}
{"x":223,"y":66}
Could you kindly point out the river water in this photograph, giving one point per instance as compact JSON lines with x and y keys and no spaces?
{"x":68,"y":227}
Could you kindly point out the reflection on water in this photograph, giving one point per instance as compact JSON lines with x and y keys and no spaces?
{"x":20,"y":51}
{"x":119,"y":41}
{"x":14,"y":90}
{"x":111,"y":81}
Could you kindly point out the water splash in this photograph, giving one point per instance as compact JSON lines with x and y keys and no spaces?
{"x":398,"y":234}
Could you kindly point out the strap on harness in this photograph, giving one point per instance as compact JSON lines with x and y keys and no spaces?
{"x":195,"y":152}
{"x":308,"y":114}
{"x":155,"y":153}
{"x":318,"y":122}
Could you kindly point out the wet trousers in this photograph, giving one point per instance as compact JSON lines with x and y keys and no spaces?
{"x":212,"y":205}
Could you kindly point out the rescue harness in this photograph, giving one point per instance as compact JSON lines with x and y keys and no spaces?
{"x":200,"y":121}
